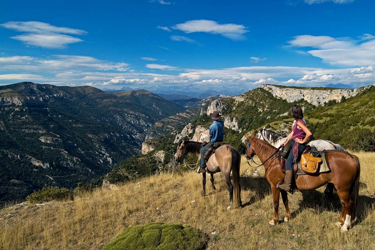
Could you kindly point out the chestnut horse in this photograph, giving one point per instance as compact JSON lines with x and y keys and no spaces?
{"x":225,"y":159}
{"x":344,"y":175}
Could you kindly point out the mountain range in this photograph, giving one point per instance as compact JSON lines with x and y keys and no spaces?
{"x":60,"y":136}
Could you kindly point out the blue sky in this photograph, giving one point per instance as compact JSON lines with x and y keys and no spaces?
{"x":188,"y":46}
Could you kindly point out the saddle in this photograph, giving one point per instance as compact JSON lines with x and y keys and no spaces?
{"x":211,"y":150}
{"x":311,"y":161}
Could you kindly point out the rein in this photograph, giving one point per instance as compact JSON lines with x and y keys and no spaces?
{"x":269,"y":158}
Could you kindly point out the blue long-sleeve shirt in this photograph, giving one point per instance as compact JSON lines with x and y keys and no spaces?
{"x":216,"y":131}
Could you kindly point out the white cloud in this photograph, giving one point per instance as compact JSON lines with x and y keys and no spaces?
{"x":257,"y":59}
{"x":40,"y":27}
{"x":161,"y":67}
{"x":322,"y":1}
{"x":43,"y":34}
{"x":266,"y":81}
{"x":339,"y":51}
{"x":21,"y":77}
{"x":57,"y":63}
{"x":164,"y":28}
{"x":311,"y":41}
{"x":83,"y":70}
{"x":50,"y":41}
{"x":182,"y":39}
{"x":162,"y":2}
{"x":232,"y":31}
{"x":148,"y":59}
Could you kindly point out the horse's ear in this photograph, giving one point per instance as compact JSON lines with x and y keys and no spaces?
{"x":253,"y":134}
{"x":247,"y":136}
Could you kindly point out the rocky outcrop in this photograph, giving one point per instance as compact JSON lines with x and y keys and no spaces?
{"x":201,"y":134}
{"x":216,"y":105}
{"x":231,"y":123}
{"x":147,"y":147}
{"x":186,"y":131}
{"x":315,"y":96}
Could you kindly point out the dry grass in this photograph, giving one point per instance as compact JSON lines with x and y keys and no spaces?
{"x":95,"y":219}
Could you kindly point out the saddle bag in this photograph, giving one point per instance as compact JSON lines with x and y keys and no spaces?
{"x":309,"y":163}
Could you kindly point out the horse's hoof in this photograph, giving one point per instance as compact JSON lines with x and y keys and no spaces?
{"x":286,"y":219}
{"x":228,"y":208}
{"x":344,"y":229}
{"x":272,"y":223}
{"x":338,"y":224}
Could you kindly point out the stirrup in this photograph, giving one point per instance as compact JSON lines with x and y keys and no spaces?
{"x":289,"y":191}
{"x":201,"y":170}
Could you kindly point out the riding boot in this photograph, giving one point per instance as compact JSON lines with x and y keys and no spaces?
{"x":287,"y":181}
{"x":201,"y":170}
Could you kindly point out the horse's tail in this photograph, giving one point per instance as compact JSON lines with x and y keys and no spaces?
{"x":355,"y":190}
{"x":236,"y":162}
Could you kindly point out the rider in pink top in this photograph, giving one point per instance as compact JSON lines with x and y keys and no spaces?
{"x":298,"y":138}
{"x":297,"y":131}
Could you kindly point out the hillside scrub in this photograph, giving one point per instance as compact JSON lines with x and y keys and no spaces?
{"x":93,"y":220}
{"x":351,"y":123}
{"x":159,"y":236}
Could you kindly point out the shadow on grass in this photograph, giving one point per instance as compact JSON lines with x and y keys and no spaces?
{"x":315,"y":199}
{"x":259,"y":185}
{"x":310,"y":199}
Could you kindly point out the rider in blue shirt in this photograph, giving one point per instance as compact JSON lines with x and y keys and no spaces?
{"x":216,"y":133}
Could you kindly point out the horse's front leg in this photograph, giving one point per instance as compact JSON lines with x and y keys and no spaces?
{"x":212,"y":181}
{"x":284,"y":195}
{"x":276,"y":198}
{"x":204,"y":184}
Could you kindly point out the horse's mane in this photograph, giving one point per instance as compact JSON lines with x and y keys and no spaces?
{"x":269,"y":133}
{"x":193,"y":146}
{"x":263,"y":145}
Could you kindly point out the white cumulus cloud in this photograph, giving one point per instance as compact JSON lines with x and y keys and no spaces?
{"x":230,"y":30}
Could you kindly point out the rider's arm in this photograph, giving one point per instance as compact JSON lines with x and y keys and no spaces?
{"x":288,"y":139}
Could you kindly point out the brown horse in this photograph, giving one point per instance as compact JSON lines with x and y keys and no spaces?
{"x":225,"y":159}
{"x":344,"y":175}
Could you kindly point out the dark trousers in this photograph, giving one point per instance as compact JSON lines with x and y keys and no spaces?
{"x":290,"y":159}
{"x":203,"y":150}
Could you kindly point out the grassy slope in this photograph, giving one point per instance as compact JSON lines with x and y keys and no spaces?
{"x":93,"y":220}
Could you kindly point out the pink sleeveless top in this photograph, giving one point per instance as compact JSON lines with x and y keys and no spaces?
{"x":298,"y":133}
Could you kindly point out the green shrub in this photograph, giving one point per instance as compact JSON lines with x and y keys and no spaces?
{"x":83,"y":188}
{"x":159,"y":236}
{"x":49,"y":194}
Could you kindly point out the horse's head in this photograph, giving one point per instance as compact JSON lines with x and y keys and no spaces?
{"x":249,"y":149}
{"x":180,"y":152}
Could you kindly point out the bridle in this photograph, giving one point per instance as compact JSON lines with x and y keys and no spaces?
{"x":269,"y":158}
{"x":180,"y":155}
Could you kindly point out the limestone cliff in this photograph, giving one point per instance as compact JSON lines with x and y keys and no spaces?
{"x":315,"y":96}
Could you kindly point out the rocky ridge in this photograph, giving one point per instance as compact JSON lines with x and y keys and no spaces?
{"x":315,"y":96}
